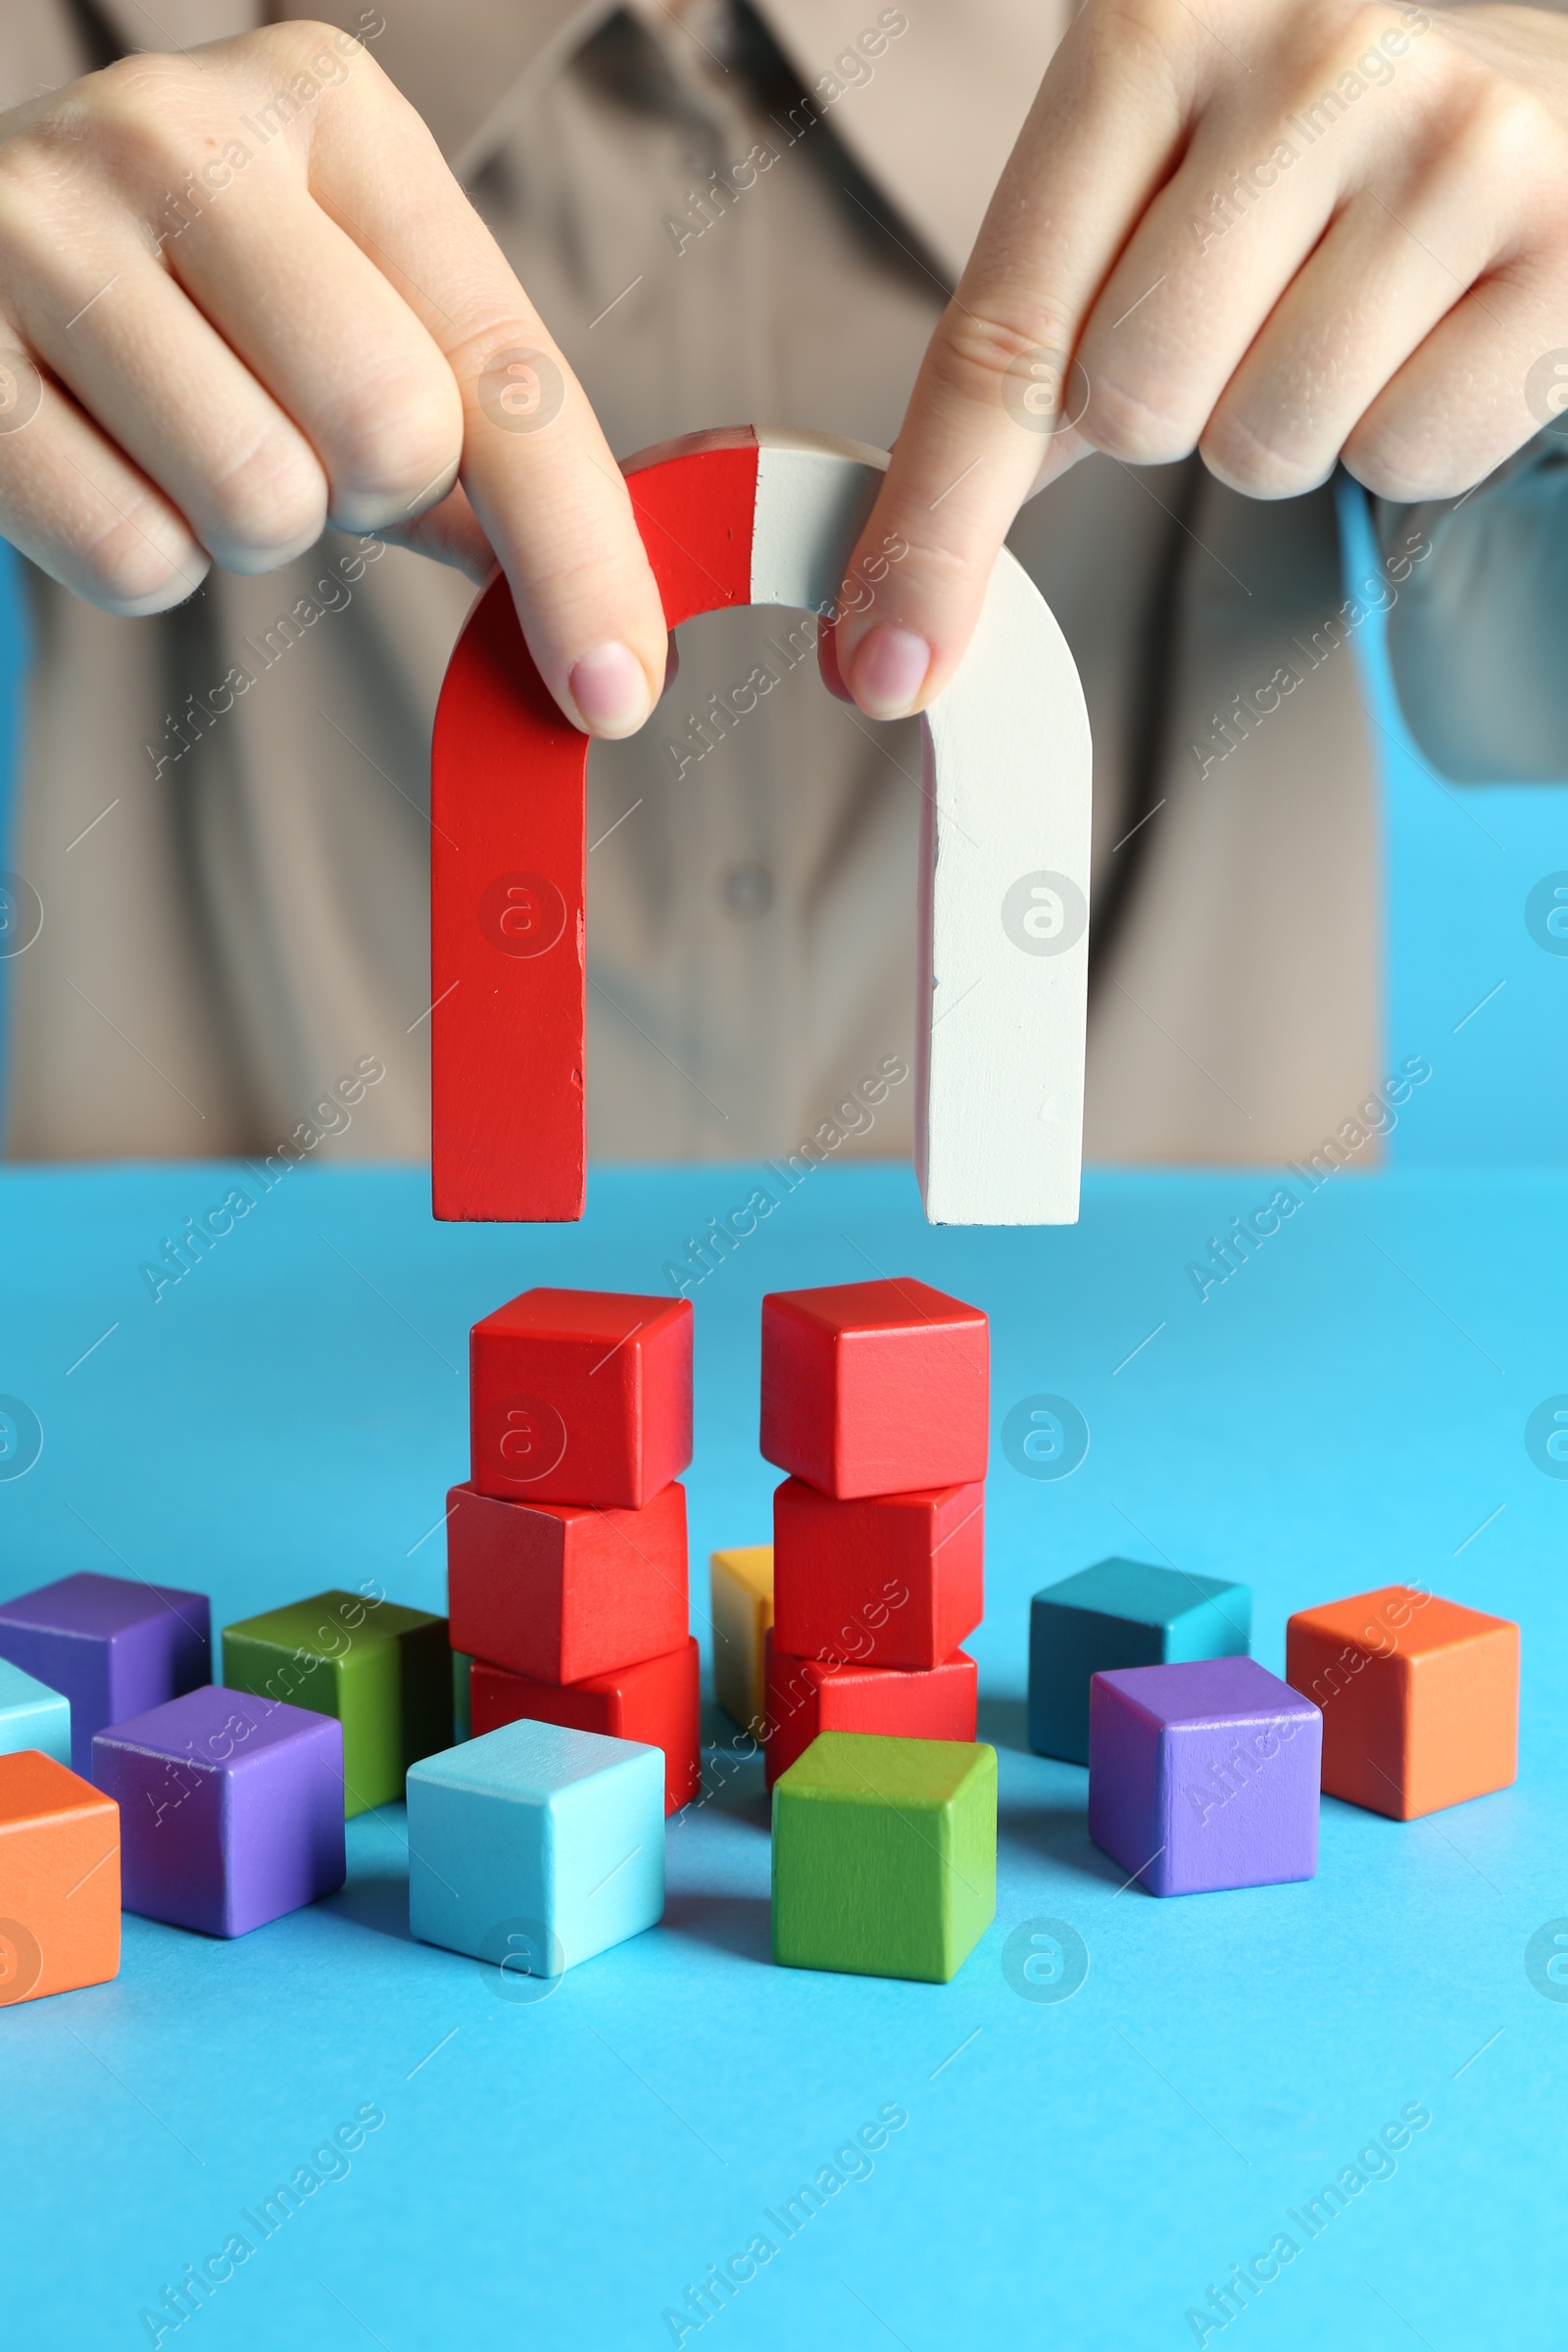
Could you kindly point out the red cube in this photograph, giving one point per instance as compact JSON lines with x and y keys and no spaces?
{"x":562,"y":1590}
{"x":887,"y":1580}
{"x":581,"y":1396}
{"x":806,"y":1696}
{"x":875,"y":1387}
{"x":654,"y":1701}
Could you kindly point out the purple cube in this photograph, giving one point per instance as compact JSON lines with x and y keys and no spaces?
{"x":1204,"y":1776}
{"x":231,"y":1808}
{"x":112,"y":1646}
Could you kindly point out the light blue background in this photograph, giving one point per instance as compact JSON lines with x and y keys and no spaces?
{"x":1071,"y":2174}
{"x":13,"y":659}
{"x":1465,"y":984}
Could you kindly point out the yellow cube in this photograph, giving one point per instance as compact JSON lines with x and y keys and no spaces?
{"x":741,"y":1584}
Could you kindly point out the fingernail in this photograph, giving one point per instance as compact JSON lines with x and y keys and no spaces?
{"x":609,"y":688}
{"x":887,"y":670}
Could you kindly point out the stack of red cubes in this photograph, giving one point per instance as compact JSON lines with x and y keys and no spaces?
{"x":876,"y":1399}
{"x":566,"y":1548}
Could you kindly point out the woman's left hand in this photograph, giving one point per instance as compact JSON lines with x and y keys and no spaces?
{"x":1283,"y":233}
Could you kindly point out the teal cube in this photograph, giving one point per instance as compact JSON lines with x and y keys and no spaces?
{"x":884,"y":1855}
{"x":1121,"y":1613}
{"x":31,"y":1715}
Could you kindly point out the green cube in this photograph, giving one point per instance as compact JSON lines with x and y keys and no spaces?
{"x":385,"y":1672}
{"x":884,"y":1855}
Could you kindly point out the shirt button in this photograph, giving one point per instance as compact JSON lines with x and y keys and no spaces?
{"x":748,"y":890}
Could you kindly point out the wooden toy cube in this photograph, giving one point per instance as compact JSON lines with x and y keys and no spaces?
{"x":536,"y":1845}
{"x":1204,"y":1775}
{"x":875,"y":1387}
{"x":581,"y":1396}
{"x":890,"y":1580}
{"x":31,"y":1715}
{"x":384,"y":1671}
{"x":807,"y":1696}
{"x":59,"y":1880}
{"x":563,"y":1590}
{"x":740,"y":1586}
{"x":1121,"y":1613}
{"x":1420,"y":1698}
{"x":884,"y":1856}
{"x":461,"y":1728}
{"x":110,"y":1645}
{"x":656,"y":1701}
{"x":230,"y":1809}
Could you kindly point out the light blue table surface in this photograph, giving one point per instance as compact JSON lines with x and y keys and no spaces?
{"x":1351,"y":1407}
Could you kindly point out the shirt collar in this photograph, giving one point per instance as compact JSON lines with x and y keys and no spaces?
{"x":934,"y":125}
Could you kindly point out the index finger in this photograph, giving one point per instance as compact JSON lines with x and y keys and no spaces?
{"x":535,"y":465}
{"x":999,"y":395}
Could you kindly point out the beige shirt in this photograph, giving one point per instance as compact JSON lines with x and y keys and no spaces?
{"x":235,"y":891}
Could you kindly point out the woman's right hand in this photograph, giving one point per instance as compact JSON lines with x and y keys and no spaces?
{"x":241,"y":296}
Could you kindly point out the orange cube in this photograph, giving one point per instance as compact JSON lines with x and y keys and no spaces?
{"x":59,"y":1880}
{"x":1420,"y":1698}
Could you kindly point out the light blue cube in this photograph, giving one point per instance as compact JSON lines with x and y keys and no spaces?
{"x":31,"y":1715}
{"x":534,"y":1846}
